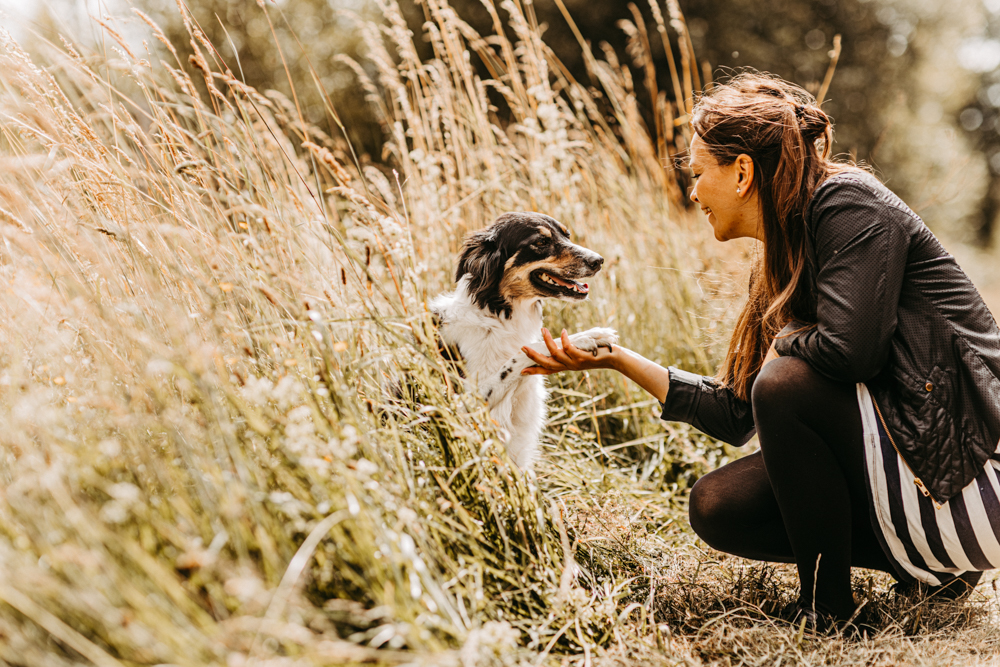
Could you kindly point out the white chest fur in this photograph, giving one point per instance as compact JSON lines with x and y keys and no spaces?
{"x":491,"y":345}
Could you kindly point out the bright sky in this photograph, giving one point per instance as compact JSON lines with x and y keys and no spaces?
{"x":16,"y":15}
{"x":13,"y":13}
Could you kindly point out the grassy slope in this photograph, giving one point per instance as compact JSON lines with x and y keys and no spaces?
{"x":204,"y":304}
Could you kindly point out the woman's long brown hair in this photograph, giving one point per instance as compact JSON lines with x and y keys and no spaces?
{"x":788,"y":138}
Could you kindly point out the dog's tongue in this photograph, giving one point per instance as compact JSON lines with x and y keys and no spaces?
{"x":582,"y":288}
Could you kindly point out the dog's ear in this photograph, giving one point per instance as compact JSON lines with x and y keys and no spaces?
{"x":476,"y":252}
{"x":482,"y":261}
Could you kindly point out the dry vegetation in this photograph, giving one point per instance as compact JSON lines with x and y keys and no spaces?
{"x":205,"y":302}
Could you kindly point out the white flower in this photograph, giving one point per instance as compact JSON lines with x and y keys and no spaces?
{"x":365,"y":468}
{"x":484,"y":645}
{"x":159,"y":367}
{"x":109,"y":448}
{"x":113,"y":512}
{"x":244,"y":588}
{"x":125,"y":493}
{"x":257,"y":390}
{"x":287,"y":393}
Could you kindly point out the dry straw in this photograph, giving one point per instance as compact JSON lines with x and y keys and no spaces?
{"x":207,"y":301}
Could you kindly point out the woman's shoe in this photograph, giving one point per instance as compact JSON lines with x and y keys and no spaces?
{"x":798,"y":613}
{"x":818,"y":622}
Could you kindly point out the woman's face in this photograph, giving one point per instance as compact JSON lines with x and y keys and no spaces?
{"x":732,"y":214}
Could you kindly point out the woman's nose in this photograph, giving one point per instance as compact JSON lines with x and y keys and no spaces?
{"x":694,"y":193}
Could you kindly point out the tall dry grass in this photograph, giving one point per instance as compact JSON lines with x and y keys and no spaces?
{"x":205,"y":300}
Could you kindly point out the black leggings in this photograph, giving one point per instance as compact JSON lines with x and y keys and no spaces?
{"x":802,"y":498}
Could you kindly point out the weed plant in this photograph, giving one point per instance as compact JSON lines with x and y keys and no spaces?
{"x":208,"y":302}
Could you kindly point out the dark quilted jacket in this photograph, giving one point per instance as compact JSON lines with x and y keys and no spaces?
{"x":896,"y":312}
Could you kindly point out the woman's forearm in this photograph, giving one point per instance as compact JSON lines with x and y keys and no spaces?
{"x":566,"y":357}
{"x":649,"y":375}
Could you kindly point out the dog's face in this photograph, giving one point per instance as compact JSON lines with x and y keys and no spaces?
{"x":525,"y":256}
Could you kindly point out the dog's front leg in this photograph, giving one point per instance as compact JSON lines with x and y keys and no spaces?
{"x":496,"y":387}
{"x":517,"y":404}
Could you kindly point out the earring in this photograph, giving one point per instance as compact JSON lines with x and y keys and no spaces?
{"x":737,"y":191}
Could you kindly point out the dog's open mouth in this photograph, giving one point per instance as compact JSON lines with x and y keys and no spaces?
{"x":561,"y":284}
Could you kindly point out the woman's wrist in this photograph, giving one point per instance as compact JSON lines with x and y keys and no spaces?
{"x":625,"y":360}
{"x":649,"y":375}
{"x":616,"y":358}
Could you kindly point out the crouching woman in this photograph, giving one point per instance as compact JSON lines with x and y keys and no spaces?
{"x":864,"y":359}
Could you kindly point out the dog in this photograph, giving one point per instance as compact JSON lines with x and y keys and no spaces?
{"x":504,"y":273}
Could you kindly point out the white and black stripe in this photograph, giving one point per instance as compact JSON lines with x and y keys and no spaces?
{"x":924,"y":542}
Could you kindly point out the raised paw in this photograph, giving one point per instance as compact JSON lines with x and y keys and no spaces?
{"x":592,"y":340}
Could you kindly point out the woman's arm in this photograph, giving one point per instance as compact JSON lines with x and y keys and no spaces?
{"x":686,"y":397}
{"x":861,"y":249}
{"x":651,"y":376}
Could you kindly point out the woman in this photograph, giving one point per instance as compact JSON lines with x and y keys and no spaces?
{"x":864,"y":359}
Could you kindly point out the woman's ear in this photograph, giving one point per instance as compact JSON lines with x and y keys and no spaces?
{"x":744,"y":174}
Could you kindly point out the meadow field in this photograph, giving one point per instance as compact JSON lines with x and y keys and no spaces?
{"x":206,"y":300}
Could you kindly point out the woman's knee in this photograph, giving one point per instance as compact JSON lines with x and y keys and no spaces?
{"x":707,"y":512}
{"x":783,"y":382}
{"x":729,"y":506}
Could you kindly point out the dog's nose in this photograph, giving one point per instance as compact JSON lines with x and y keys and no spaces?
{"x":596,"y":262}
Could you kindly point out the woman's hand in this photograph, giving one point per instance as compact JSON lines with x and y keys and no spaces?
{"x":649,"y":375}
{"x":565,"y":358}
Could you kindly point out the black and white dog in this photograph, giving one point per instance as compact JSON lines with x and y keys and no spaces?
{"x":503,"y":274}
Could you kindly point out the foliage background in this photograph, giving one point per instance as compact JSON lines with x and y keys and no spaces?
{"x":916,"y":93}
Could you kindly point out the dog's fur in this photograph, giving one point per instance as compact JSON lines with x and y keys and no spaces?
{"x":504,"y":273}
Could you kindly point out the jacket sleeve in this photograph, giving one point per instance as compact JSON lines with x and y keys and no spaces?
{"x":861,"y":249}
{"x":709,"y":407}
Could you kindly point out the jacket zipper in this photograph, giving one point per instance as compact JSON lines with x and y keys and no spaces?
{"x":916,"y":480}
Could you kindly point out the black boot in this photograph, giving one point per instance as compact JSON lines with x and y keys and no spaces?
{"x":818,"y":622}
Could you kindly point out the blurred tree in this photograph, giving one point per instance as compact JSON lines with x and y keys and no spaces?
{"x":900,"y":97}
{"x":790,"y":38}
{"x":291,"y":48}
{"x":979,"y":52}
{"x":916,"y":91}
{"x":897,"y":97}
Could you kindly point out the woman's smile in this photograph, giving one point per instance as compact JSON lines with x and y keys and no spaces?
{"x":723,"y":193}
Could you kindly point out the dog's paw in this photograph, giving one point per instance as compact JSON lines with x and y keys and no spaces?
{"x":594,"y":339}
